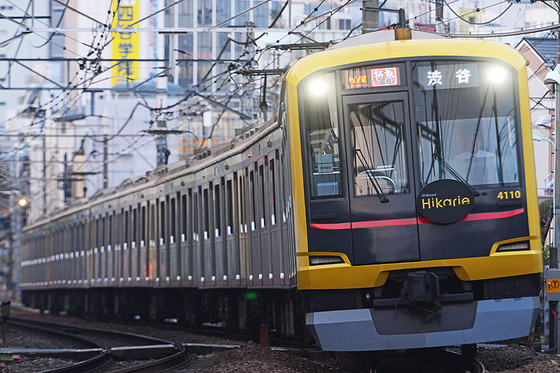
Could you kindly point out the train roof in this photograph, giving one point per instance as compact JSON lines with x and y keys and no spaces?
{"x":382,"y":45}
{"x":201,"y":160}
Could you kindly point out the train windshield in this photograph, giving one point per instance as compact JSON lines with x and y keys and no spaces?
{"x":322,"y":137}
{"x":466,"y":119}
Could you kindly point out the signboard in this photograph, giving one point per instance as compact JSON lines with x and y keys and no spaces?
{"x":126,"y":43}
{"x":552,"y":285}
{"x":445,"y":201}
{"x":368,"y":77}
{"x":448,"y":75}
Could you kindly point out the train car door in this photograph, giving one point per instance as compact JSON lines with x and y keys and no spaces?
{"x":381,"y":189}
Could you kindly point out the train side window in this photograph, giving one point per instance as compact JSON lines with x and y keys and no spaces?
{"x":134,"y":227}
{"x":285,"y":187}
{"x":126,"y":227}
{"x":229,"y":204}
{"x":241,"y":201}
{"x":162,"y":222}
{"x":110,"y":230}
{"x":196,"y":217}
{"x":273,"y":190}
{"x":97,"y":233}
{"x":104,"y":232}
{"x":217,"y":212}
{"x":143,"y":227}
{"x":206,"y":211}
{"x":319,"y":120}
{"x":253,"y":199}
{"x":152,"y":224}
{"x":173,"y":217}
{"x":183,"y":218}
{"x":263,"y":195}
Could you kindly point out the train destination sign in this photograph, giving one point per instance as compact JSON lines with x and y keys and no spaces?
{"x":367,"y":77}
{"x":449,"y":75}
{"x":445,"y":201}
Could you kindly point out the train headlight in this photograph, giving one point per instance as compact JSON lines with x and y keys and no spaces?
{"x":317,"y":86}
{"x":321,"y":260}
{"x":498,"y":74}
{"x":514,"y":246}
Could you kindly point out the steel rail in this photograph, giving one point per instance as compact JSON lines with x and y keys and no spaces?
{"x":100,"y":357}
{"x":174,"y":355}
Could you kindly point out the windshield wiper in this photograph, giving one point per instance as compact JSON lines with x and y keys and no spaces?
{"x":455,"y":174}
{"x":382,"y":197}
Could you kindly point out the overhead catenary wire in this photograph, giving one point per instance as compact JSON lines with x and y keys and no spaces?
{"x":90,"y":81}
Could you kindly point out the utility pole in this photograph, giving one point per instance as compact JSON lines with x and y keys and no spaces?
{"x":553,"y":274}
{"x":440,"y":26}
{"x":556,"y":325}
{"x":161,"y":140}
{"x":556,"y":152}
{"x":45,"y":178}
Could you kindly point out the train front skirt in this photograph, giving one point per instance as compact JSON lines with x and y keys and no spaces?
{"x":357,"y":330}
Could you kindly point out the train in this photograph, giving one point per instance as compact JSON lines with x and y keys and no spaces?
{"x":390,"y":204}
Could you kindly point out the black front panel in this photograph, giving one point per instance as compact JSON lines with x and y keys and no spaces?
{"x":374,"y":137}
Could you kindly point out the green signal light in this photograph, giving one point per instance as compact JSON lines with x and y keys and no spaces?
{"x":251,"y":296}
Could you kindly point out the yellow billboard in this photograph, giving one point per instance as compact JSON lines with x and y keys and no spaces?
{"x":125,"y":43}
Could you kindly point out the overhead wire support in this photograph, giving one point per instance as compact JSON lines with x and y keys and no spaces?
{"x":262,"y":72}
{"x":504,"y":34}
{"x":302,"y":46}
{"x":16,"y":22}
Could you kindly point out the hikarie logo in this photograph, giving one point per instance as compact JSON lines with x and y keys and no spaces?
{"x":445,"y":201}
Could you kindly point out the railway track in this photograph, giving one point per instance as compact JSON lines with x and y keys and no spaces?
{"x":100,"y":348}
{"x":102,"y":351}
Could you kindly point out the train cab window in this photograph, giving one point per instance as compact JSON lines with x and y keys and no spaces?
{"x":379,"y":154}
{"x":319,"y":120}
{"x":466,"y":116}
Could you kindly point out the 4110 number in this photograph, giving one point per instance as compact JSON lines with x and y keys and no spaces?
{"x":510,"y":194}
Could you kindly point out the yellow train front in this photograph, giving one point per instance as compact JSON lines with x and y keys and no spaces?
{"x":414,"y":194}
